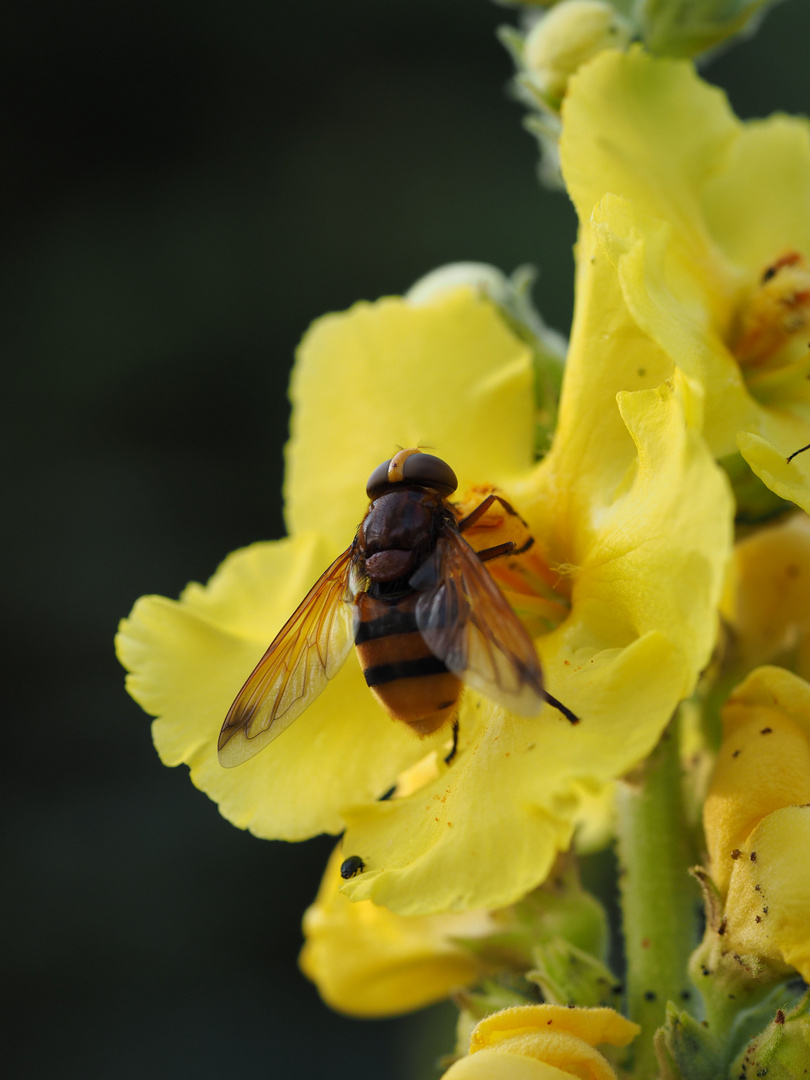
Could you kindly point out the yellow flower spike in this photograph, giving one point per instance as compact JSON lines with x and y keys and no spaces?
{"x":766,"y":603}
{"x":543,"y":1042}
{"x":367,"y":961}
{"x":706,"y":221}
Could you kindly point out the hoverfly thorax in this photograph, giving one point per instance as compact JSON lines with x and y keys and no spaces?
{"x":398,"y":531}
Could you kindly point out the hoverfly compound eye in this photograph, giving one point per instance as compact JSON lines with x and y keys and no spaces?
{"x":430,"y":471}
{"x":378,"y":480}
{"x":412,"y":467}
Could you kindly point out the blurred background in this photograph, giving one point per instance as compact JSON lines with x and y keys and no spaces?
{"x":186,"y":185}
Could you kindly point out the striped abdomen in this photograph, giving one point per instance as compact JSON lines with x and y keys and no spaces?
{"x":410,"y":682}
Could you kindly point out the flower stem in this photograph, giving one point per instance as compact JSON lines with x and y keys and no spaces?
{"x":659,"y":900}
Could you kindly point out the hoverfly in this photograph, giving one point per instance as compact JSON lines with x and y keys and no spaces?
{"x":420,"y":608}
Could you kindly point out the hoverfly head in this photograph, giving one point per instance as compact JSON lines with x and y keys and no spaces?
{"x":412,"y":467}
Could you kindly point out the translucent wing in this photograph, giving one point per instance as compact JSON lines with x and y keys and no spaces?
{"x":307,"y":652}
{"x":466,"y":622}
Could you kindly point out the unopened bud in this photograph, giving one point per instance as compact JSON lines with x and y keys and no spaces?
{"x":569,"y":35}
{"x":782,"y":1050}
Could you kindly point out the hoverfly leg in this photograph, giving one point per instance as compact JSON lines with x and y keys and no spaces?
{"x":555,"y":704}
{"x":454,"y":747}
{"x":482,"y":508}
{"x":494,"y":552}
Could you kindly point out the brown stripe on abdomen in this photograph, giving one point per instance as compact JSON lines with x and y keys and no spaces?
{"x":404,"y":669}
{"x":391,"y":621}
{"x":407,"y":679}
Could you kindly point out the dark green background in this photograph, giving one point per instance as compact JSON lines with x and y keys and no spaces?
{"x":186,"y":185}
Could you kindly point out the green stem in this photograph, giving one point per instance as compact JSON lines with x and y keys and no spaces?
{"x":659,"y":900}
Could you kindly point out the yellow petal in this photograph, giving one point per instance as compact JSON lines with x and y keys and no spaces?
{"x":789,"y":480}
{"x":763,"y":763}
{"x":662,"y":165}
{"x":187,"y":660}
{"x":451,"y":846}
{"x":685,"y":310}
{"x":595,"y":1026}
{"x":608,"y":353}
{"x":758,"y":203}
{"x":761,"y":766}
{"x":573,"y":1056}
{"x":768,"y":902}
{"x":559,"y":1040}
{"x":766,"y":602}
{"x":447,"y":374}
{"x":769,"y":687}
{"x":367,"y":961}
{"x":668,"y":522}
{"x":493,"y":1065}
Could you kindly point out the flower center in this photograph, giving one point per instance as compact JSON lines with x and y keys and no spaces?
{"x":539,"y":593}
{"x":774,"y":322}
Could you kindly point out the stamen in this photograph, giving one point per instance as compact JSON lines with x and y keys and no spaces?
{"x":538,"y":592}
{"x":776,"y":314}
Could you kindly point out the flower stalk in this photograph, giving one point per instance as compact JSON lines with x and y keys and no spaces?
{"x":658,"y":899}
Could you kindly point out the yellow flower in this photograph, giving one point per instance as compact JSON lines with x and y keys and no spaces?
{"x":367,"y":961}
{"x":620,"y":592}
{"x":695,"y":237}
{"x":543,"y":1042}
{"x":757,"y":820}
{"x":766,"y":602}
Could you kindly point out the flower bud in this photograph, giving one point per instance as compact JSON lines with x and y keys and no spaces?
{"x":757,"y":824}
{"x":569,"y":35}
{"x":782,"y":1050}
{"x":533,"y":1042}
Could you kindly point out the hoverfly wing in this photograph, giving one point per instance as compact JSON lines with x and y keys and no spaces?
{"x":308,"y":651}
{"x":467,"y":622}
